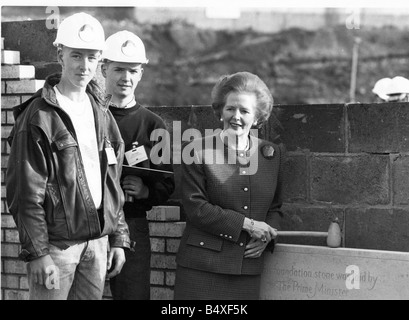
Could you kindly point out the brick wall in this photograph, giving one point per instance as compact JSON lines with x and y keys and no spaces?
{"x":349,"y":161}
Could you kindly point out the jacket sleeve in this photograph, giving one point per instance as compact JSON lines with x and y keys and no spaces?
{"x":199,"y":211}
{"x":26,"y":180}
{"x":121,"y":237}
{"x":274,"y":214}
{"x":161,"y":190}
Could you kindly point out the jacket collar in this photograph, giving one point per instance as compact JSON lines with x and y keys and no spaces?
{"x":48,"y":94}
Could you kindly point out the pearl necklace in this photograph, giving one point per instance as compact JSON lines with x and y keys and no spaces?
{"x":235,"y":149}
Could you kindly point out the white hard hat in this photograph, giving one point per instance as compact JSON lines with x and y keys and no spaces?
{"x":380,"y":88}
{"x":398,"y":85}
{"x":124,"y":46}
{"x":81,"y":31}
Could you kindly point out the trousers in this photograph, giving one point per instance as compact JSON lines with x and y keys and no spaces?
{"x":79,"y":272}
{"x":133,"y":283}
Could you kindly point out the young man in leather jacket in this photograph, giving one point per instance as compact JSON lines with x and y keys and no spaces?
{"x":63,"y":176}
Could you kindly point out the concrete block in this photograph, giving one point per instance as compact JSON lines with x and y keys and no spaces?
{"x":318,"y":128}
{"x":317,"y":273}
{"x":379,"y":229}
{"x":348,"y":180}
{"x":299,"y":217}
{"x":400,"y":169}
{"x":24,"y":86}
{"x":32,"y":38}
{"x":17,"y":72}
{"x":379,"y":128}
{"x":295,"y":178}
{"x":10,"y":57}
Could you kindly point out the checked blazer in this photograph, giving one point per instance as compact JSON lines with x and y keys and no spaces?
{"x":219,"y":189}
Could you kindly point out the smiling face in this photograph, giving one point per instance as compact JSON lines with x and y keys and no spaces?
{"x":122,"y":78}
{"x":239,"y":113}
{"x":78,"y":65}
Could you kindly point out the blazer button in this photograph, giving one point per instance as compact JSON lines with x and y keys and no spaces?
{"x":221,"y":234}
{"x":202,"y":243}
{"x":230,"y":237}
{"x":245,"y":207}
{"x":244,"y":172}
{"x":246,"y":189}
{"x":241,"y":244}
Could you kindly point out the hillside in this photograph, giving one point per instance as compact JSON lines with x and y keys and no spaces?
{"x":299,"y":66}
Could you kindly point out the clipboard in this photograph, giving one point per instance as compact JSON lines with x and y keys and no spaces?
{"x":147,"y":174}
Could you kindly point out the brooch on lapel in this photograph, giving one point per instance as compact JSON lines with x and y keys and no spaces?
{"x":268,"y":152}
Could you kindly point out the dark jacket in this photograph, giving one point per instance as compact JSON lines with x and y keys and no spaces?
{"x":218,"y":194}
{"x":47,"y":191}
{"x":137,"y":124}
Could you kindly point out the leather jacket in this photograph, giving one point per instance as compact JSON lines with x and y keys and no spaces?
{"x":47,"y":191}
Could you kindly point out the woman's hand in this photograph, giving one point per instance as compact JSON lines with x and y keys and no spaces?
{"x":259,"y":230}
{"x":255,"y":249}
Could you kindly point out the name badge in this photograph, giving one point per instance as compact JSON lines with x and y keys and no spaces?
{"x":136,"y":155}
{"x":110,"y":155}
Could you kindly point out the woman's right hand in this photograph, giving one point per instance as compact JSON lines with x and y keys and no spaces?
{"x":259,"y":230}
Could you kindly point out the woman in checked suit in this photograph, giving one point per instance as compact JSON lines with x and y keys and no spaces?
{"x":232,"y":195}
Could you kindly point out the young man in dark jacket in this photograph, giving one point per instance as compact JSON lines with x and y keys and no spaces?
{"x":122,"y":68}
{"x":63,"y":176}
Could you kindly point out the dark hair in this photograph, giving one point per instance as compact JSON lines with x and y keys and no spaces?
{"x":243,"y":82}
